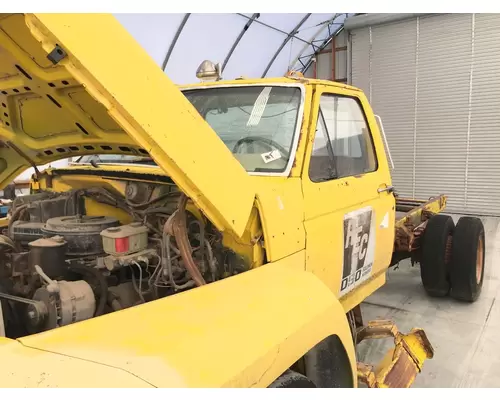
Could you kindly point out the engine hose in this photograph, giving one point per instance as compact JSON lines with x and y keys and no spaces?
{"x":201,"y":227}
{"x":211,"y":260}
{"x":15,"y":216}
{"x":161,"y":210}
{"x":157,"y":199}
{"x":103,"y":285}
{"x":7,"y":241}
{"x":165,"y":245}
{"x":176,"y":225}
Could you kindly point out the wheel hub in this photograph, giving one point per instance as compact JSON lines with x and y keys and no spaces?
{"x":479,"y":260}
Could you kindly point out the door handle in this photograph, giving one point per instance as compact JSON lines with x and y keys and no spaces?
{"x":388,"y":189}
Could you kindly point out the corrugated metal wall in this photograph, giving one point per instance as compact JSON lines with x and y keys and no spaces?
{"x":483,"y":180}
{"x":434,"y":81}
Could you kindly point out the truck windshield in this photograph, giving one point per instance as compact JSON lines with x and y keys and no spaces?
{"x":257,"y":123}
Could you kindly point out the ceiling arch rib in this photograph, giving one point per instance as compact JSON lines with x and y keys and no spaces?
{"x":174,"y":40}
{"x":255,"y":48}
{"x":205,"y":37}
{"x":325,"y":43}
{"x":271,"y":27}
{"x":289,"y":36}
{"x":322,"y":27}
{"x":323,"y":38}
{"x":243,"y":31}
{"x":154,"y":32}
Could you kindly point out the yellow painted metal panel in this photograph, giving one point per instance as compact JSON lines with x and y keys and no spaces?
{"x":324,"y":220}
{"x":26,"y":367}
{"x":193,"y":337}
{"x":281,"y":207}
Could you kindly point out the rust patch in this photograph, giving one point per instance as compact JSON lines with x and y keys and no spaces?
{"x":377,"y":329}
{"x":403,"y":239}
{"x":402,"y":374}
{"x":410,"y":228}
{"x":400,"y":366}
{"x":366,"y":375}
{"x":479,"y":260}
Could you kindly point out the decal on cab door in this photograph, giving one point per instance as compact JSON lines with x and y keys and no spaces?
{"x":359,"y":248}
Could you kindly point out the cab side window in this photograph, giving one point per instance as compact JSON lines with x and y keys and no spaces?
{"x":343,"y":144}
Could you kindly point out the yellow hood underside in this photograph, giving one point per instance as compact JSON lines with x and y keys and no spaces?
{"x":74,"y":84}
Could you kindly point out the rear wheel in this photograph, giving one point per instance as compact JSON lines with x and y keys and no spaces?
{"x":292,"y":380}
{"x":468,"y":259}
{"x":436,"y":255}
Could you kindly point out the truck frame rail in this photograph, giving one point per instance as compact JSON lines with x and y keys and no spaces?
{"x":411,"y":218}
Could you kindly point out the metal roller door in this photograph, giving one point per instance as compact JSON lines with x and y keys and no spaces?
{"x":433,"y":81}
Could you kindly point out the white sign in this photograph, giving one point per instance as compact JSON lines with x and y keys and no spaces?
{"x":359,"y":248}
{"x":271,"y":156}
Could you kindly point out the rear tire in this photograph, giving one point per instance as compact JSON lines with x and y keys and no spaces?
{"x":468,"y":259}
{"x":436,"y":257}
{"x":292,"y":380}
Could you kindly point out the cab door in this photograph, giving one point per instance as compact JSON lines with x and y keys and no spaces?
{"x":349,"y":204}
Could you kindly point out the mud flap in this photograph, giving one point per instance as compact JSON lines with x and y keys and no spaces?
{"x":402,"y":363}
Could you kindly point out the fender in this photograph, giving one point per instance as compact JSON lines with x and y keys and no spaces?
{"x":243,"y":331}
{"x":31,"y":368}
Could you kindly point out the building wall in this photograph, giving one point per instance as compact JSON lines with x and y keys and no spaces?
{"x":434,"y":81}
{"x":323,"y":67}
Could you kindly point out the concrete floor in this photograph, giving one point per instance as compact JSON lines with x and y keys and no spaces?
{"x":464,"y":336}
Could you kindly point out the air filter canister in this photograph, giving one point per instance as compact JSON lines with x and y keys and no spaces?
{"x":81,"y":232}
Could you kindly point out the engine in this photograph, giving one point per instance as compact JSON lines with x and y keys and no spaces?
{"x":59,"y":265}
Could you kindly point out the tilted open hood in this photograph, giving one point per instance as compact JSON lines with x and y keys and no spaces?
{"x":74,"y":84}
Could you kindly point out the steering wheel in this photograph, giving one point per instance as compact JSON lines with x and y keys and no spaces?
{"x":271,"y":144}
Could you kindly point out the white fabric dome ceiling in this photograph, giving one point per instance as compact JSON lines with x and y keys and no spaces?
{"x":253,"y":45}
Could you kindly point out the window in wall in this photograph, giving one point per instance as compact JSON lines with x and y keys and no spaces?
{"x":343,"y":145}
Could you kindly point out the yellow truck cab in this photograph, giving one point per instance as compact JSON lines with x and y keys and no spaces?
{"x":221,"y":234}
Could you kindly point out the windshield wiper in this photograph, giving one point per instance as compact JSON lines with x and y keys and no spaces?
{"x":266,"y":170}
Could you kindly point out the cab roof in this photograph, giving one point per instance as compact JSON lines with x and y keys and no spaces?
{"x":266,"y":81}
